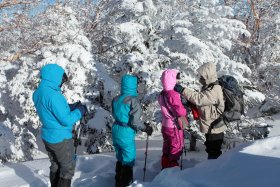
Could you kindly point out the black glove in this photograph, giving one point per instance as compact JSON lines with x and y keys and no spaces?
{"x":178,"y":88}
{"x":73,"y":106}
{"x":149,"y":130}
{"x":83,"y":109}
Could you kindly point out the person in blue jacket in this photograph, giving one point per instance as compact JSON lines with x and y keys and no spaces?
{"x":127,"y":112}
{"x":57,"y":118}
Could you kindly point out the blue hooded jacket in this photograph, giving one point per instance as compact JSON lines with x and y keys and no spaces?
{"x":53,"y":110}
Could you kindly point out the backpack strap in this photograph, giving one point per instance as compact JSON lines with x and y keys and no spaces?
{"x":211,"y":85}
{"x":220,"y":118}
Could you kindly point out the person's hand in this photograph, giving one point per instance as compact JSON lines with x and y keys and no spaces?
{"x":178,"y":88}
{"x":73,"y":106}
{"x":187,"y":133}
{"x":149,"y":130}
{"x":82,"y":108}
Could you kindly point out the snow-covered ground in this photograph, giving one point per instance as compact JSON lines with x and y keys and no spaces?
{"x":252,"y":164}
{"x":93,"y":170}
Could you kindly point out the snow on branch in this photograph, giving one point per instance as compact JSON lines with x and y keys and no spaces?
{"x":10,"y":3}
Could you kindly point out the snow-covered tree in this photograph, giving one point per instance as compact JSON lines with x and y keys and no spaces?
{"x":64,"y":44}
{"x":146,"y":37}
{"x":97,"y":42}
{"x":261,"y":52}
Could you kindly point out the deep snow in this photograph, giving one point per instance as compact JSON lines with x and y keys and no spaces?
{"x":251,"y":164}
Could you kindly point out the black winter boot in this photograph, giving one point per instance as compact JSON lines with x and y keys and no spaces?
{"x":54,"y":178}
{"x":126,"y":175}
{"x":192,"y":143}
{"x":64,"y":182}
{"x":118,"y":174}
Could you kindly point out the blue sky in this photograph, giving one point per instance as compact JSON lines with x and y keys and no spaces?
{"x":43,"y":5}
{"x":40,"y":8}
{"x":51,"y":2}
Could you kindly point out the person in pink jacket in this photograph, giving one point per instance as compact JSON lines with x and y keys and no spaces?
{"x":171,"y":107}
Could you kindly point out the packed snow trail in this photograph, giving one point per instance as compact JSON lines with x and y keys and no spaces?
{"x":94,"y":170}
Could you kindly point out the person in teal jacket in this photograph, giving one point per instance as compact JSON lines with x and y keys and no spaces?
{"x":57,"y":118}
{"x":126,"y":111}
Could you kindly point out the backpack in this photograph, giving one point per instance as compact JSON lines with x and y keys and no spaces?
{"x":234,"y":103}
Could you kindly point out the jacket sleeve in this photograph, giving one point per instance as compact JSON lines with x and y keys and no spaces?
{"x":204,"y":98}
{"x":176,"y":105}
{"x":61,"y":111}
{"x":135,"y":115}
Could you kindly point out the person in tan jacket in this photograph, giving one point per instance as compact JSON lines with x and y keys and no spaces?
{"x":210,"y":103}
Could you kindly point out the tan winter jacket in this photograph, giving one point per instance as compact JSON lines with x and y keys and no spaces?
{"x":206,"y":98}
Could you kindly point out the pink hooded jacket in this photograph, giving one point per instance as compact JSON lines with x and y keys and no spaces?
{"x":173,"y":99}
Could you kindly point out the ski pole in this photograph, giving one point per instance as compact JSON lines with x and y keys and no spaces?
{"x":146,"y":154}
{"x":77,"y":130}
{"x":77,"y":133}
{"x":183,"y":150}
{"x":77,"y":138}
{"x":181,"y":166}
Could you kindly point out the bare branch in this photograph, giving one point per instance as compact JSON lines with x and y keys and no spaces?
{"x":30,"y":50}
{"x":8,"y":27}
{"x":109,"y":48}
{"x":10,"y":3}
{"x":256,"y":16}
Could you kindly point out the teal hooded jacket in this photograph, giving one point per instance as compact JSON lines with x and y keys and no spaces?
{"x":53,"y":110}
{"x":126,"y":109}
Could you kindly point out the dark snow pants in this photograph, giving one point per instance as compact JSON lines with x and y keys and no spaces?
{"x":62,"y":158}
{"x":213,"y":145}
